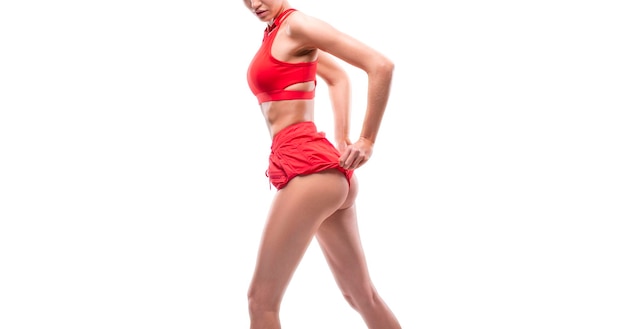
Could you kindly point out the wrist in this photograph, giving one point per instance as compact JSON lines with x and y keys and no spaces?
{"x":367,"y":140}
{"x":340,"y":140}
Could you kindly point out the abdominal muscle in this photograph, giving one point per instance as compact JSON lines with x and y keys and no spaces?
{"x":280,"y":114}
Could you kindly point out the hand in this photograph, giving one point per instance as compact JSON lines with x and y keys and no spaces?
{"x":342,"y":144}
{"x":355,"y":155}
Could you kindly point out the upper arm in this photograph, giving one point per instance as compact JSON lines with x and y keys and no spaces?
{"x":329,"y":70}
{"x":315,"y":33}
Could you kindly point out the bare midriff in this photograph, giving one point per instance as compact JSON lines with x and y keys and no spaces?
{"x":280,"y":114}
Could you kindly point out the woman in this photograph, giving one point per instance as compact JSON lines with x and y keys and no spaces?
{"x":316,"y":187}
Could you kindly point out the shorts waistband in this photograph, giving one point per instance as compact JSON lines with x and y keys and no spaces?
{"x":304,"y":128}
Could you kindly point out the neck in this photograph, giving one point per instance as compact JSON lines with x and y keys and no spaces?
{"x":280,"y":12}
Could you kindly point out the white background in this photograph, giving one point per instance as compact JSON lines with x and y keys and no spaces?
{"x":132,"y":186}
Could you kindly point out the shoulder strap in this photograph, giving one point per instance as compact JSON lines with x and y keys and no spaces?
{"x":279,"y":19}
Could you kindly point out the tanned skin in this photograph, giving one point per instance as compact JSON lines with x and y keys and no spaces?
{"x":320,"y":205}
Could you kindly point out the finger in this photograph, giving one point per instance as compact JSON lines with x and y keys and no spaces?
{"x":343,"y":157}
{"x":353,"y":159}
{"x":360,"y":163}
{"x":347,"y":161}
{"x":357,"y":163}
{"x":347,"y":157}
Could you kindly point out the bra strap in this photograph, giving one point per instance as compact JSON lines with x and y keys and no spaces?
{"x":279,"y":19}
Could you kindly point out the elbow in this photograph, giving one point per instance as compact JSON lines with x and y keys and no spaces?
{"x":384,"y":67}
{"x":388,"y":66}
{"x":339,"y":78}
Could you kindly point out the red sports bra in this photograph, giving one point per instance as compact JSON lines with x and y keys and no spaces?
{"x":268,"y":77}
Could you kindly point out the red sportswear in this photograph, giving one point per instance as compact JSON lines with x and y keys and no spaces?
{"x":268,"y":77}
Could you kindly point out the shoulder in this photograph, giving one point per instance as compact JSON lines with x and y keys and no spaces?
{"x":300,"y":23}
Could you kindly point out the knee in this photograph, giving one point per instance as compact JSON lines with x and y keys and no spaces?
{"x":260,"y":303}
{"x":364,"y":300}
{"x":350,"y":300}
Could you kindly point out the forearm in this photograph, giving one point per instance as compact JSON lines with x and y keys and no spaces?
{"x":340,"y":101}
{"x":379,"y":87}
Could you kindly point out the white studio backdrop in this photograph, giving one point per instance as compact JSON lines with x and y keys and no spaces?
{"x":132,"y":157}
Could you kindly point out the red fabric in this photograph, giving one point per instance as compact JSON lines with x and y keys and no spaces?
{"x":268,"y":77}
{"x":300,"y":149}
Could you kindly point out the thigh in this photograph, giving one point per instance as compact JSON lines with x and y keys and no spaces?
{"x":340,"y":241}
{"x":295,"y":215}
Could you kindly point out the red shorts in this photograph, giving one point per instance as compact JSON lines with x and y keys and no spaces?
{"x":300,"y":149}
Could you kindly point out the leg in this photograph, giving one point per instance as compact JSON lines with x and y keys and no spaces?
{"x":296,"y":213}
{"x":339,"y":239}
